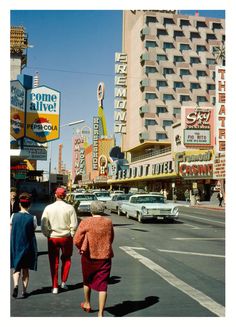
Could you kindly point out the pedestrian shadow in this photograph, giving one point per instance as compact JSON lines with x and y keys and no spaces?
{"x":114,"y":280}
{"x":126,"y":307}
{"x":42,"y":253}
{"x":48,"y":289}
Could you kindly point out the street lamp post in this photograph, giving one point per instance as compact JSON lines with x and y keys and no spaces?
{"x":50,"y":158}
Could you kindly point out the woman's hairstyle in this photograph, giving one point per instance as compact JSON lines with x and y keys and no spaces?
{"x":25,"y":199}
{"x":97,"y":208}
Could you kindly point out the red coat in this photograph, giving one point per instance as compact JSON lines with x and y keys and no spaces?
{"x":94,"y":236}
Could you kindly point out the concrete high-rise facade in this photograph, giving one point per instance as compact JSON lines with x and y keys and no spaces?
{"x":170,"y":64}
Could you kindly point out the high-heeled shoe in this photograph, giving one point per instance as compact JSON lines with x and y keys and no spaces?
{"x":15,"y":292}
{"x":85,"y":309}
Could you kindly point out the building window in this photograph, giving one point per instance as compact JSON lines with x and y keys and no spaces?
{"x":168,"y":45}
{"x":176,"y":111}
{"x":210,"y":37}
{"x":167,"y":123}
{"x":161,"y":57}
{"x":161,"y":136}
{"x":201,"y":99}
{"x":168,"y":97}
{"x":195,"y":60}
{"x":184,"y":98}
{"x":184,"y":46}
{"x":211,"y":87}
{"x":201,"y":24}
{"x":150,"y":44}
{"x":194,"y":86}
{"x":213,"y":101}
{"x":150,"y":122}
{"x":213,"y":75}
{"x":184,"y":22}
{"x":184,"y":72}
{"x":161,"y":32}
{"x":162,"y":84}
{"x":150,"y":19}
{"x":168,"y":71}
{"x":217,"y":26}
{"x":211,"y":61}
{"x":178,"y":59}
{"x":178,"y":34}
{"x":201,"y":48}
{"x":194,"y":35}
{"x":150,"y":96}
{"x":150,"y":70}
{"x":201,"y":73}
{"x":168,"y":21}
{"x":161,"y":110}
{"x":178,"y":85}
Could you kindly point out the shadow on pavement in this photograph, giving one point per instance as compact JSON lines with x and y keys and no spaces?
{"x":126,"y":307}
{"x":114,"y":280}
{"x":42,"y":253}
{"x":48,"y":289}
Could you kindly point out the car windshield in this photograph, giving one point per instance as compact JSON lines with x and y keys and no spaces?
{"x":123,"y":197}
{"x":105,"y":194}
{"x":85,"y":197}
{"x":149,"y":199}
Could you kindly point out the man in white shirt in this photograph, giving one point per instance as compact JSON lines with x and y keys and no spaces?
{"x":59,"y":223}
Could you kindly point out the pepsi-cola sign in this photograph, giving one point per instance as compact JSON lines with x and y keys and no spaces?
{"x":43,"y":114}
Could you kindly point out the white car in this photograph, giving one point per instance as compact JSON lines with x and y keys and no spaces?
{"x":116,"y":201}
{"x":82,"y":202}
{"x":102,"y":196}
{"x":144,"y":206}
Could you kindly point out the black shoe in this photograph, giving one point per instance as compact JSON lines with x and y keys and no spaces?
{"x":15,"y":292}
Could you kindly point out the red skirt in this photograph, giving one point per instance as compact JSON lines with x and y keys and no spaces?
{"x":96,"y":273}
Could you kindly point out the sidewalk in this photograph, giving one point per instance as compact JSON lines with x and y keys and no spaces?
{"x":201,"y":205}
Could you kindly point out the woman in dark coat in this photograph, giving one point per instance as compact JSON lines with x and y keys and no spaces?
{"x":23,"y":244}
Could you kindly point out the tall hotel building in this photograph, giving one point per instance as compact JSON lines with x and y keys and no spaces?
{"x":170,"y":64}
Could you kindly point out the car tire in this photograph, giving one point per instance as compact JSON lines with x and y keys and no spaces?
{"x":139,"y":216}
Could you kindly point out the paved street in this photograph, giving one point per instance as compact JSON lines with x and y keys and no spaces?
{"x":159,"y":270}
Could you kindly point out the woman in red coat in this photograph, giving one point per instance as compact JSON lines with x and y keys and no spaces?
{"x":94,"y":238}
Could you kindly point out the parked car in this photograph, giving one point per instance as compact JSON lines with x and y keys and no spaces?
{"x":82,"y":202}
{"x":144,"y":206}
{"x":103,"y":196}
{"x":116,"y":201}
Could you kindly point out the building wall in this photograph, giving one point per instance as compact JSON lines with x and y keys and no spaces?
{"x":140,"y":30}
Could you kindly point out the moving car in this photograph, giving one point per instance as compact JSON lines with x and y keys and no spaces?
{"x":144,"y":206}
{"x":82,"y":202}
{"x":116,"y":201}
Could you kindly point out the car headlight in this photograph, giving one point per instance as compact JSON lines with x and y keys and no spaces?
{"x":144,"y":210}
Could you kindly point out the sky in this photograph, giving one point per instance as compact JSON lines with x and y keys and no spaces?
{"x":73,"y":57}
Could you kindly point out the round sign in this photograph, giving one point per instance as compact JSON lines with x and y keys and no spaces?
{"x":100,"y":91}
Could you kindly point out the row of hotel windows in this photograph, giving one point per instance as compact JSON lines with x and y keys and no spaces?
{"x":192,"y":60}
{"x":182,"y":46}
{"x":183,"y":22}
{"x":182,"y":72}
{"x":152,"y":122}
{"x":193,"y":86}
{"x":170,"y":97}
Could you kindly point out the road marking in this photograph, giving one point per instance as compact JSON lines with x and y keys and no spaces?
{"x":198,"y":239}
{"x":193,"y":227}
{"x":213,"y":221}
{"x":193,"y":253}
{"x":195,"y":294}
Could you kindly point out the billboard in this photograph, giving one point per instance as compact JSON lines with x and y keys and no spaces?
{"x":198,"y":126}
{"x":43,"y":114}
{"x":17,"y":115}
{"x":220,"y":109}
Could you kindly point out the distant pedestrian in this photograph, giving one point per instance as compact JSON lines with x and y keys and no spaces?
{"x":187,"y":195}
{"x":14,"y":201}
{"x":23,"y":244}
{"x":165,"y":194}
{"x":58,"y":224}
{"x":220,"y":197}
{"x":94,"y":238}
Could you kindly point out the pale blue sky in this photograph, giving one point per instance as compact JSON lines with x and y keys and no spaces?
{"x":73,"y":51}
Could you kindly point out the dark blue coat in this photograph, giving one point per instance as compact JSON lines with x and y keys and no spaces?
{"x":23,"y":242}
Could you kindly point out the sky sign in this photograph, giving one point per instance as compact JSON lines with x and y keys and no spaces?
{"x":17,"y":110}
{"x":43,"y":114}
